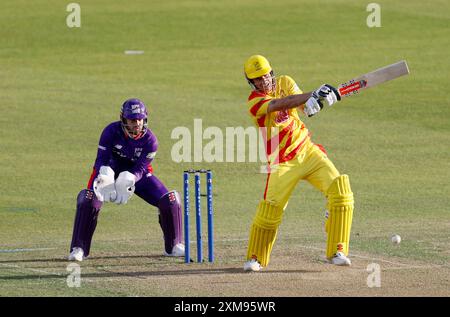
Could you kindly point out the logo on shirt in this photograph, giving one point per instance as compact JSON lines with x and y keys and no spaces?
{"x":117,"y":151}
{"x":282,"y":116}
{"x":137,"y":152}
{"x":151,"y":155}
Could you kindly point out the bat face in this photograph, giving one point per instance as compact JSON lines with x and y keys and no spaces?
{"x":373,"y":78}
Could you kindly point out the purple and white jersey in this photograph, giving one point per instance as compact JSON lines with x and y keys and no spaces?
{"x":122,"y":153}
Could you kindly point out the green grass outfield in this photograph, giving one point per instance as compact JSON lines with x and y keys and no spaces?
{"x":60,"y":86}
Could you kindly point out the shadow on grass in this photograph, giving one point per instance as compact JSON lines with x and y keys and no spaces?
{"x":144,"y":274}
{"x":102,"y":272}
{"x":64,"y":259}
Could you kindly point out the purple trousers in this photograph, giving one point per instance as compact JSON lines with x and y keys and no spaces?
{"x":150,"y":189}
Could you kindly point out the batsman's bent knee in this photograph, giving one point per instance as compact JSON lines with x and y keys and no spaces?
{"x":339,"y":222}
{"x":263,"y":231}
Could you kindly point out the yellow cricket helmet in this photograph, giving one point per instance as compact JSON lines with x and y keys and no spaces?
{"x":257,"y":66}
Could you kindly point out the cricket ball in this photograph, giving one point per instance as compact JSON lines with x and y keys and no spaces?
{"x":396,"y":239}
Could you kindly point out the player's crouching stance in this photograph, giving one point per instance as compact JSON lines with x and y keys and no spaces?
{"x":123,"y":167}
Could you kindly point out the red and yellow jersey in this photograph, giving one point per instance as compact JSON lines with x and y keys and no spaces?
{"x":284,"y":132}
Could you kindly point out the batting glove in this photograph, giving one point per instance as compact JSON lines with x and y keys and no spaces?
{"x":328,"y":93}
{"x":312,"y":106}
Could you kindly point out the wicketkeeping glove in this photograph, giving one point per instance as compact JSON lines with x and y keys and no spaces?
{"x":125,"y":187}
{"x":104,"y":187}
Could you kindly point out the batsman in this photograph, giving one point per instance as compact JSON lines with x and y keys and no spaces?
{"x":274,"y":105}
{"x":123,"y":167}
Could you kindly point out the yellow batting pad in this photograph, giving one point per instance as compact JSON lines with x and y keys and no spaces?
{"x":339,"y":222}
{"x":264,"y":232}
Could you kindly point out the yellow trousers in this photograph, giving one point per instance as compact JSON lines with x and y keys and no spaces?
{"x":314,"y":166}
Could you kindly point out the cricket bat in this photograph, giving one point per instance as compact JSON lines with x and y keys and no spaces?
{"x":374,"y":78}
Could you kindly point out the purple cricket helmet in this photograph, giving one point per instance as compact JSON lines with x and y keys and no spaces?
{"x":133,"y":109}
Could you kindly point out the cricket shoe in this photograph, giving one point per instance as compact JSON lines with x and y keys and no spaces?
{"x":252,"y":265}
{"x":77,"y":254}
{"x":177,"y":250}
{"x":341,"y":259}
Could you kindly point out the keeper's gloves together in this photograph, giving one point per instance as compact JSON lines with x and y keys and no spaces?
{"x":108,"y":190}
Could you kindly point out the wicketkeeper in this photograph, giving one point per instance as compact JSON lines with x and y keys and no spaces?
{"x":292,"y":156}
{"x":123,"y":167}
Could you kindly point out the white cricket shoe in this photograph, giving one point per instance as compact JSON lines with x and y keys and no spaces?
{"x":252,"y":265}
{"x":77,"y":254}
{"x":177,"y":250}
{"x":341,"y":259}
